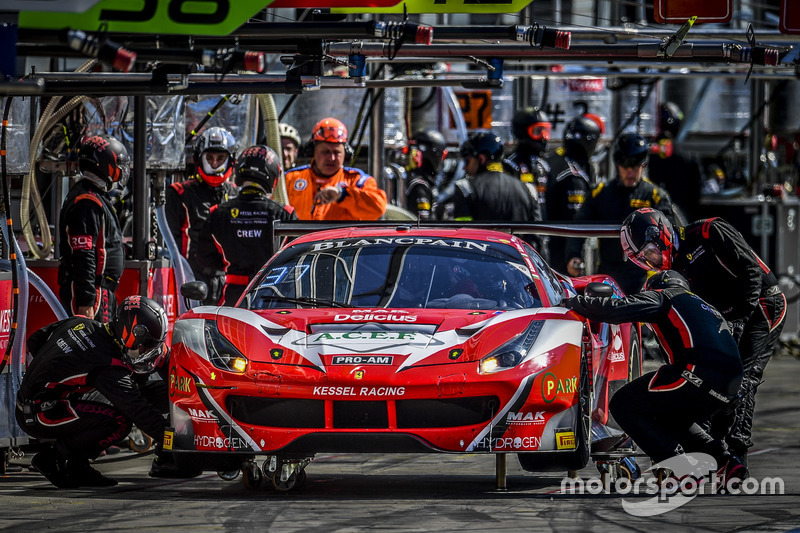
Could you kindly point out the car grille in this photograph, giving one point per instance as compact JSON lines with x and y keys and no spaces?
{"x":409,"y":414}
{"x":278,"y":413}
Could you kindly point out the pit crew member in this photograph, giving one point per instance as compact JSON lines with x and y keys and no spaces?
{"x":488,"y":193}
{"x":80,"y":389}
{"x":611,"y":202}
{"x":725,"y":271}
{"x":188,"y":203}
{"x":427,"y":150}
{"x":92,"y":253}
{"x":662,"y":410}
{"x":240,"y":227}
{"x":326,"y":189}
{"x":572,"y":177}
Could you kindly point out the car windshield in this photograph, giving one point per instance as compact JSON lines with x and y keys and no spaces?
{"x":398,"y":272}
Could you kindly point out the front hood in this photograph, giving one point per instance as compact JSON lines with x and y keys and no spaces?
{"x":415,"y":334}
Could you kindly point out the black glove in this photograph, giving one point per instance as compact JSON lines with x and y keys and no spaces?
{"x":737,"y":328}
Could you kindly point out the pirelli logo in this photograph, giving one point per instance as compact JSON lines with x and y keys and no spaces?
{"x":167,"y":444}
{"x":362,"y":360}
{"x":565,"y":440}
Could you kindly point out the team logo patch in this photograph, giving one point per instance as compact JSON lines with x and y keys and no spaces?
{"x":234,"y":212}
{"x":300,"y":185}
{"x":80,"y":242}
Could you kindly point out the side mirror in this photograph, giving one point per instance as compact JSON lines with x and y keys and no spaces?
{"x":194,"y":290}
{"x":598,"y":289}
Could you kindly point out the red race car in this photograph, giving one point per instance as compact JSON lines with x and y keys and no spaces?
{"x":395,"y":339}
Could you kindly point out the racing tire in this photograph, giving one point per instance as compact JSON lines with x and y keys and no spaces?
{"x":579,"y":458}
{"x":635,"y":357}
{"x":634,"y":371}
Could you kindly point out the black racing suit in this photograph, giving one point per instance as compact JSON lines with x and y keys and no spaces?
{"x":187,"y":208}
{"x":610,"y":203}
{"x":92,"y":255}
{"x":567,"y":189}
{"x":725,"y":271}
{"x":492,"y":195}
{"x":76,"y":390}
{"x":420,"y":194}
{"x":240,"y":232}
{"x":530,"y":166}
{"x":662,"y":410}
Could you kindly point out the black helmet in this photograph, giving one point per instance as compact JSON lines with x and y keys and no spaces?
{"x":532,"y":126}
{"x":105,"y":157}
{"x":140,"y":324}
{"x":670,"y":120}
{"x":664,"y":280}
{"x":630,"y":150}
{"x":581,"y":135}
{"x":483,"y":142}
{"x":258,"y":163}
{"x":644,"y":230}
{"x":431,"y":146}
{"x":215,"y":139}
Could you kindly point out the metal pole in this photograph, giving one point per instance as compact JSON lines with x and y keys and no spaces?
{"x":141,"y":187}
{"x":756,"y":139}
{"x":376,"y":124}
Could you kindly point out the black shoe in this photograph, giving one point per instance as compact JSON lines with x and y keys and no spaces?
{"x":50,"y":465}
{"x":165,"y":467}
{"x":731,"y":474}
{"x":84,"y":475}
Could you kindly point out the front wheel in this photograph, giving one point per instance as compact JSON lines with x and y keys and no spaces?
{"x":578,"y":458}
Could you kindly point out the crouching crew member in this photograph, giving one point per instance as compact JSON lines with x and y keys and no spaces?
{"x":241,"y":227}
{"x":725,"y":271}
{"x":80,"y":389}
{"x":662,"y":410}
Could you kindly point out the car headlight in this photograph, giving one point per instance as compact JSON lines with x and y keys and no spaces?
{"x":221,"y":352}
{"x":513,"y":352}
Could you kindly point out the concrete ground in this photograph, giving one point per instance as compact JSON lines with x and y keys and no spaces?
{"x":422,"y":492}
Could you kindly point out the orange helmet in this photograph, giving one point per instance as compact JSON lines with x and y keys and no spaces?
{"x":330,"y":130}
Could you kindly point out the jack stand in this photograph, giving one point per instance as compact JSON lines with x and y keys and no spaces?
{"x":500,"y":471}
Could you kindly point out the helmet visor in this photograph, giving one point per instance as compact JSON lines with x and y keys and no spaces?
{"x":145,"y":358}
{"x":649,"y":257}
{"x":539,"y":131}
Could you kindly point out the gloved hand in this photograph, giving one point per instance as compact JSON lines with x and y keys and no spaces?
{"x":737,"y":328}
{"x":569,"y":303}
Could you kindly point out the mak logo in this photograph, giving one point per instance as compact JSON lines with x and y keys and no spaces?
{"x":525,"y":419}
{"x":203,"y":415}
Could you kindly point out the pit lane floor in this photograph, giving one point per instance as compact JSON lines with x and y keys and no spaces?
{"x":419,"y":492}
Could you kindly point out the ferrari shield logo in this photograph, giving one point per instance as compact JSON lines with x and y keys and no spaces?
{"x":234,"y":212}
{"x":359,"y":374}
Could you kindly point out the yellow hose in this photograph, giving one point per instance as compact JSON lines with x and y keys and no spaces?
{"x":267,"y":105}
{"x":29,"y":188}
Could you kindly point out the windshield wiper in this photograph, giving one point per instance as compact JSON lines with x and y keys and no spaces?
{"x":316,"y":302}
